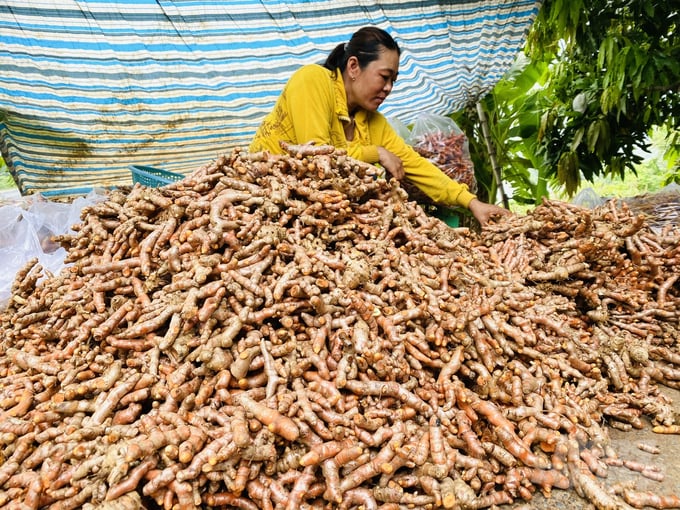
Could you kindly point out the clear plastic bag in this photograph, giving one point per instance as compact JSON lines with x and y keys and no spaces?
{"x":439,"y":139}
{"x":26,"y":230}
{"x":400,"y":128}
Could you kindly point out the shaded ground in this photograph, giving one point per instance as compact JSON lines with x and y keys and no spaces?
{"x":625,"y":444}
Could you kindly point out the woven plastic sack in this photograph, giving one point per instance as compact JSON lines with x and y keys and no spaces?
{"x":439,"y":139}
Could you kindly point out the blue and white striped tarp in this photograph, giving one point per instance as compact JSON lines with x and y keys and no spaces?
{"x":89,"y":87}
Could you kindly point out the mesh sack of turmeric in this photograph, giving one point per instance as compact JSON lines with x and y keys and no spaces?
{"x":450,"y":154}
{"x":439,"y":139}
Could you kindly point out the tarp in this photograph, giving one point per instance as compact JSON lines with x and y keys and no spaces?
{"x":89,"y":87}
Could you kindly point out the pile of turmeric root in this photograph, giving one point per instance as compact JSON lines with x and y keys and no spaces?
{"x":289,"y":332}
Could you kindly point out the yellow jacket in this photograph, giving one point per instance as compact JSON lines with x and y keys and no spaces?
{"x":313,"y":105}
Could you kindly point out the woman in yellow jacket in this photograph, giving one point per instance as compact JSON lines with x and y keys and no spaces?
{"x":337,"y":104}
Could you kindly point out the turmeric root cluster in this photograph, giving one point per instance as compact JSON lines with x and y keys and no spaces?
{"x":284,"y":332}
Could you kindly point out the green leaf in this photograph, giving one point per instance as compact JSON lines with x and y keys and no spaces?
{"x":593,"y":135}
{"x":598,"y":137}
{"x":605,"y":52}
{"x":608,"y":100}
{"x":568,"y":171}
{"x":621,"y":67}
{"x":576,"y":141}
{"x":545,"y":124}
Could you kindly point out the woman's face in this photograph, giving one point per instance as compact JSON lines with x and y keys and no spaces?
{"x":370,"y":86}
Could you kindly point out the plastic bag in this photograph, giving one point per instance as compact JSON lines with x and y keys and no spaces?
{"x":589,"y":198}
{"x":439,"y":139}
{"x":26,"y":229}
{"x":400,"y":128}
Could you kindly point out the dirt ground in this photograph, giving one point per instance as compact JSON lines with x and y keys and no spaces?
{"x":625,"y":444}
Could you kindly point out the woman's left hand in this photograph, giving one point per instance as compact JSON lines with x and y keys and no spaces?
{"x":484,"y":212}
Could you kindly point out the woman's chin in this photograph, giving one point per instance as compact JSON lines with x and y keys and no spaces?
{"x":375,"y":105}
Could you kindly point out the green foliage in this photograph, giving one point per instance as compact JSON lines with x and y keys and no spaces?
{"x":671,"y":156}
{"x":513,"y":109}
{"x":6,"y":180}
{"x":615,"y":73}
{"x":650,"y":175}
{"x":599,"y":77}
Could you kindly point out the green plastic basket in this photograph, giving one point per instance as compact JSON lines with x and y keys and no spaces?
{"x":153,"y":177}
{"x":448,"y":216}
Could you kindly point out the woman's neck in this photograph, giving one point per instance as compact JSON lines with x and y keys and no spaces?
{"x":349,"y":128}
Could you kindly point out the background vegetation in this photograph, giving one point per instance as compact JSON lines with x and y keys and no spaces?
{"x":6,"y":181}
{"x":595,"y":89}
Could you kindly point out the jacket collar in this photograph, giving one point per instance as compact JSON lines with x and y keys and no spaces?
{"x":341,"y":100}
{"x":340,"y":96}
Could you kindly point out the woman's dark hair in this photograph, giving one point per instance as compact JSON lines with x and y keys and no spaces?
{"x":365,"y":44}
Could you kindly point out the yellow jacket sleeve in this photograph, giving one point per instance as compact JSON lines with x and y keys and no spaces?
{"x":419,"y":170}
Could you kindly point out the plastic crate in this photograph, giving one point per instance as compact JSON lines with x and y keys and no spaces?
{"x":449,"y":216}
{"x":153,"y":177}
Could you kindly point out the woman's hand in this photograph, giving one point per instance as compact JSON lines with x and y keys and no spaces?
{"x":483,"y":212}
{"x":391,"y":163}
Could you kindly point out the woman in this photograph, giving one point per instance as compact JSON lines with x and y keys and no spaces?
{"x":337,"y":104}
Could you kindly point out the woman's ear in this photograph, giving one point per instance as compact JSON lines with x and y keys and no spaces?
{"x":352,"y":67}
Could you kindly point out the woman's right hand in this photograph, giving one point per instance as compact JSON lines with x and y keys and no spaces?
{"x":391,"y":163}
{"x":484,"y":212}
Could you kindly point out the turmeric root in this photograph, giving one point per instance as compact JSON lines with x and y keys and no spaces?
{"x":275,"y":421}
